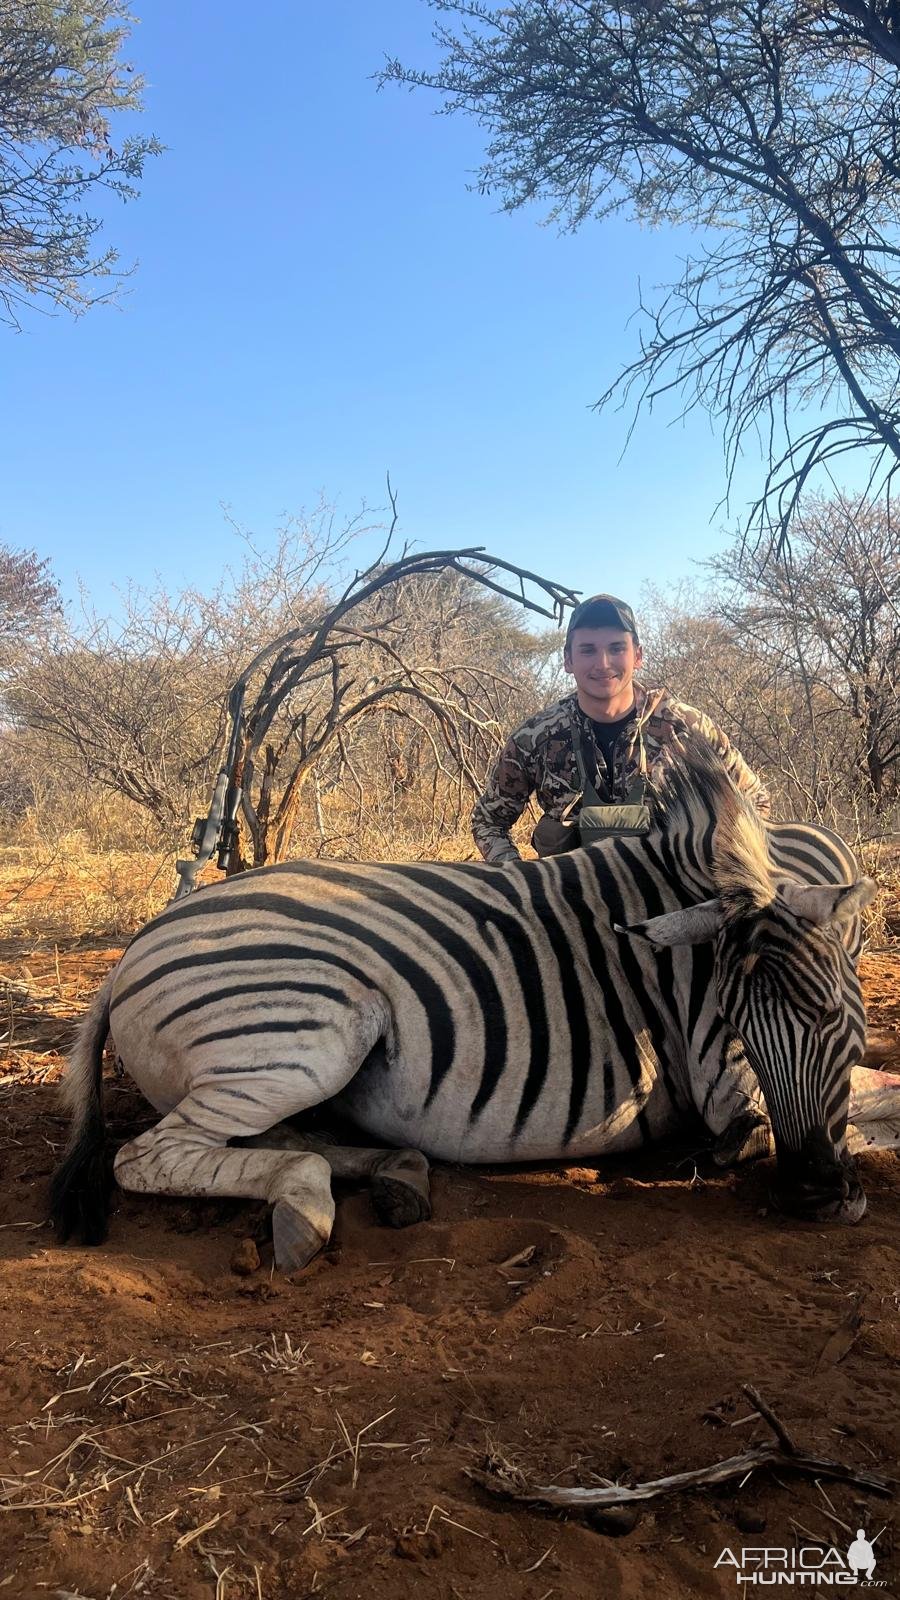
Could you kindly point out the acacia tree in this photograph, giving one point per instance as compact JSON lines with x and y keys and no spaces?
{"x":773,"y":128}
{"x":62,"y":81}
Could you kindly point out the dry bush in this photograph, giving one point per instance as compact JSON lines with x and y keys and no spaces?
{"x":77,"y":861}
{"x":428,"y":822}
{"x":133,"y":707}
{"x":406,"y":682}
{"x":881,"y":920}
{"x":395,"y":687}
{"x":799,"y":661}
{"x":65,"y":892}
{"x":86,"y":858}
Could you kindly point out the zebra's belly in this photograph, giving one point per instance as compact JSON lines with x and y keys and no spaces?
{"x":379,"y":1102}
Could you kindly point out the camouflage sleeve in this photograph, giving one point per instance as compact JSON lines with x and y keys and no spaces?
{"x":505,"y":797}
{"x":740,"y":773}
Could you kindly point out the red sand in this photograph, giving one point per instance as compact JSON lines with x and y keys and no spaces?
{"x":171,"y":1429}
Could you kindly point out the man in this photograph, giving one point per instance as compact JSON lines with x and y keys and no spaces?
{"x":596,"y":745}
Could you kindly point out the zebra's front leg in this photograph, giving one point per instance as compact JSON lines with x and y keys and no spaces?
{"x":399,"y":1178}
{"x":727,"y":1094}
{"x":180,"y":1157}
{"x":747,"y":1138}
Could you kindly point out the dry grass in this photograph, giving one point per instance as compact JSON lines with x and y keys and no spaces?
{"x":881,"y":860}
{"x":109,"y":1455}
{"x":100,"y":1449}
{"x":63,"y":890}
{"x":68,"y":892}
{"x":347,"y":1449}
{"x":285,"y":1356}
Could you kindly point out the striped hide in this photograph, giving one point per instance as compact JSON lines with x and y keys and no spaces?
{"x":585,"y":1004}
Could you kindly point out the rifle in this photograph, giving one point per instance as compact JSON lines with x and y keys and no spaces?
{"x":218,"y":829}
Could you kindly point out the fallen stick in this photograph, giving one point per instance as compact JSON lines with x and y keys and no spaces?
{"x":784,"y":1454}
{"x":765,"y":1455}
{"x":768,"y":1415}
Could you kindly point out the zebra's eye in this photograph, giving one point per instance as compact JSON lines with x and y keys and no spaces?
{"x":835,"y":1007}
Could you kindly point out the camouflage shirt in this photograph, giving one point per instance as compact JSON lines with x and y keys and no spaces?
{"x":538,"y":758}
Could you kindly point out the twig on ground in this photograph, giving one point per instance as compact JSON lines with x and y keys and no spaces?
{"x":768,"y":1415}
{"x":784,"y":1455}
{"x":814,"y":1538}
{"x":195,"y":1533}
{"x":720,"y":1472}
{"x":540,"y":1560}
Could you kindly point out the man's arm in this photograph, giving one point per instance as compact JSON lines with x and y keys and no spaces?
{"x":505,"y":797}
{"x":740,"y":773}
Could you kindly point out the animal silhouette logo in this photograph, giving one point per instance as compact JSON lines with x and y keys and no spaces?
{"x":807,"y":1565}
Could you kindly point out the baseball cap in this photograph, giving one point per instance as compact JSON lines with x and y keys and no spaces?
{"x":602,"y":611}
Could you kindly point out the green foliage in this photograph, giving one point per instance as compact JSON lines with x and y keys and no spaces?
{"x":62,"y":83}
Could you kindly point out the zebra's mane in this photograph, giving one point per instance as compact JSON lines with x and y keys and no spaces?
{"x":694,"y":790}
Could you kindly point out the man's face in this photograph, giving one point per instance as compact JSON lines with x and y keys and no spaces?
{"x":603,"y":662}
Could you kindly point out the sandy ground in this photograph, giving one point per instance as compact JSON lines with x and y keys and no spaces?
{"x":171,"y":1428}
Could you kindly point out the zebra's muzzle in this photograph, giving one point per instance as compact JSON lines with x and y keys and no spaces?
{"x":816,"y":1184}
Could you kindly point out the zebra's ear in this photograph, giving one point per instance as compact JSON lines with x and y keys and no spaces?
{"x":827,"y":902}
{"x":694,"y":925}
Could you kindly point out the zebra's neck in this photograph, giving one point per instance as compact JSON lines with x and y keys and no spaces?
{"x":711,"y":839}
{"x":688,"y":856}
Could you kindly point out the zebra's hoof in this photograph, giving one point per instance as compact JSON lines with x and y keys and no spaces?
{"x":397,"y":1204}
{"x":296,"y":1240}
{"x":400,"y":1190}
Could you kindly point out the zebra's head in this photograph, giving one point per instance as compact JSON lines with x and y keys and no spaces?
{"x":787,"y":985}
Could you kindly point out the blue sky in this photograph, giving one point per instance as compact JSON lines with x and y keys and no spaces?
{"x":319,"y":299}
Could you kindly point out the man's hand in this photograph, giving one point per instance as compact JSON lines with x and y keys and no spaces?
{"x":503,"y":856}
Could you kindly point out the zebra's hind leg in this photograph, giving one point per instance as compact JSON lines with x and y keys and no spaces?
{"x":185,"y":1154}
{"x":399,"y":1178}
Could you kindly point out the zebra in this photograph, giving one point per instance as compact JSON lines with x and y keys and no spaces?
{"x":581,"y":1005}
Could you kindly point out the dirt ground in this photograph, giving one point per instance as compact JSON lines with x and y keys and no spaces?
{"x":171,"y":1428}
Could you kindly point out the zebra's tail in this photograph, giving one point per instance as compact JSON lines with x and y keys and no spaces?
{"x":79,"y":1189}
